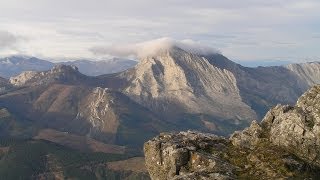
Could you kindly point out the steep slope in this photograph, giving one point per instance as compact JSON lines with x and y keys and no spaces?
{"x":309,"y":72}
{"x":15,"y":126}
{"x":36,"y":159}
{"x":285,"y":145}
{"x":263,"y":87}
{"x":174,"y":81}
{"x":4,"y":85}
{"x":14,"y":65}
{"x":103,"y":114}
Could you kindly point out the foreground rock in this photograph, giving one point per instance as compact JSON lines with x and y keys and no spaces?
{"x":284,"y":145}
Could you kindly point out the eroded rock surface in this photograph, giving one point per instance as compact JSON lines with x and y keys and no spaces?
{"x":284,"y":145}
{"x":175,"y":81}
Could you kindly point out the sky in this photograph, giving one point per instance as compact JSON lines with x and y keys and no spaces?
{"x":248,"y":30}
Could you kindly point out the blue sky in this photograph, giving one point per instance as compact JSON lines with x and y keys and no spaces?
{"x":242,"y":30}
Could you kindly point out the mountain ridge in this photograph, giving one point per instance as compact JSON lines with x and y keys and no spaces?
{"x":15,"y":65}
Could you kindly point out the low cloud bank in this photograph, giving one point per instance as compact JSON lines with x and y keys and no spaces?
{"x":150,"y":48}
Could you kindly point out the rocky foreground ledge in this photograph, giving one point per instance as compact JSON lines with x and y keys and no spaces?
{"x":286,"y":144}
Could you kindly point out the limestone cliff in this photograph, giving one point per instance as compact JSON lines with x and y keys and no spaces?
{"x":175,"y":81}
{"x":284,"y":145}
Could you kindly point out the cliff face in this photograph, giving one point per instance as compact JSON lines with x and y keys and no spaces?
{"x":285,"y":144}
{"x":175,"y":81}
{"x":309,"y":72}
{"x":263,"y":87}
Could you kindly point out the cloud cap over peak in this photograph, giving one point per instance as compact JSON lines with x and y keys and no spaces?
{"x":152,"y":47}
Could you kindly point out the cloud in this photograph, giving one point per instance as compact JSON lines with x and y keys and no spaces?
{"x":7,"y":40}
{"x":247,"y":29}
{"x":152,"y":47}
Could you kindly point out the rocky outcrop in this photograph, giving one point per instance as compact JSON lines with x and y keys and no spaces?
{"x":297,"y":128}
{"x":185,"y":156}
{"x":59,"y":73}
{"x":284,"y":145}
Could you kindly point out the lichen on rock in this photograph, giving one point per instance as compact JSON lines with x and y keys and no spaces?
{"x":284,"y":145}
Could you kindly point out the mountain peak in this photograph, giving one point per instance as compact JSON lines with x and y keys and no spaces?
{"x":64,"y":68}
{"x":187,"y":82}
{"x":59,"y":73}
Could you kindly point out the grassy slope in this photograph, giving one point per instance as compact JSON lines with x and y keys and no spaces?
{"x":29,"y":159}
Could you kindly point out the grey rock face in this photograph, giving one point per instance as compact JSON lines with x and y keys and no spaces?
{"x":263,"y":87}
{"x":284,"y":145}
{"x":297,"y":128}
{"x":249,"y":137}
{"x":178,"y":156}
{"x":309,"y":72}
{"x":175,"y":81}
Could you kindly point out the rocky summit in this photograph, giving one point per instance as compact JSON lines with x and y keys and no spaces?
{"x":284,"y":145}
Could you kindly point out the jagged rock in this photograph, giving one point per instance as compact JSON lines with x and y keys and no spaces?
{"x":22,"y":78}
{"x":247,"y":138}
{"x":59,"y":73}
{"x":178,"y":156}
{"x":297,"y":128}
{"x":284,"y":145}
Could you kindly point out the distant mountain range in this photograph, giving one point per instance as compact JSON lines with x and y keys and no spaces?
{"x":256,"y":63}
{"x":14,"y":65}
{"x":170,"y":90}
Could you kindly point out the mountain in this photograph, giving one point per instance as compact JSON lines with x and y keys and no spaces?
{"x":170,"y":90}
{"x":309,"y":72}
{"x":195,"y":90}
{"x":263,"y":87}
{"x":68,"y":101}
{"x":175,"y":82}
{"x":264,"y":63}
{"x":95,"y":68}
{"x":181,"y":89}
{"x":60,"y":73}
{"x":14,"y":65}
{"x":283,"y":146}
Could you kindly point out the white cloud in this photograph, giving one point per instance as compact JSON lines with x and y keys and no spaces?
{"x":246,"y":29}
{"x":152,"y":47}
